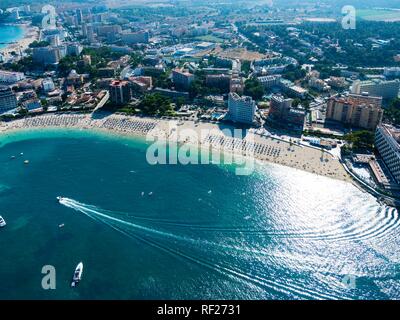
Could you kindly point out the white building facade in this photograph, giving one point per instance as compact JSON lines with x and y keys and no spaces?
{"x":387,"y":143}
{"x":241,"y":109}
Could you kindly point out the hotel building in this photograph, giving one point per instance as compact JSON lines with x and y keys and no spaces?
{"x":48,"y":55}
{"x":281,"y":110}
{"x":120,"y":92}
{"x":270,"y":81}
{"x":241,"y":109}
{"x":279,"y":106}
{"x":8,"y":100}
{"x":182,"y":79}
{"x":357,"y":110}
{"x":220,"y":81}
{"x":377,"y":88}
{"x":135,"y":37}
{"x":387,"y":140}
{"x":11,"y":77}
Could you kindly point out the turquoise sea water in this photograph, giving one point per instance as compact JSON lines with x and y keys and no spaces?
{"x":9,"y":33}
{"x":204,"y":233}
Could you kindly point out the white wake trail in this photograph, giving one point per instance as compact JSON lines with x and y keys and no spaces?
{"x":92,"y":210}
{"x":94,"y":213}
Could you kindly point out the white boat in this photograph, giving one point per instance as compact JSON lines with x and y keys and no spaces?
{"x":77,"y":274}
{"x":59,"y":199}
{"x":2,"y":222}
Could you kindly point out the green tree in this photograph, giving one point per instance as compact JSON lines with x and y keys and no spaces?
{"x":361,"y":140}
{"x":155,"y":104}
{"x":392,"y":113}
{"x":254,"y":89}
{"x":136,"y":59}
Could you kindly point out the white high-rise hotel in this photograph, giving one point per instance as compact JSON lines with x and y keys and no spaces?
{"x":241,"y":109}
{"x":377,"y":88}
{"x":387,"y":142}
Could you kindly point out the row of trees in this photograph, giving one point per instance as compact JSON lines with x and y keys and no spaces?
{"x":392,"y":112}
{"x":361,"y":140}
{"x":156,"y":105}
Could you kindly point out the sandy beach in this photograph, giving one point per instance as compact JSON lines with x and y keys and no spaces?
{"x":31,"y":34}
{"x":264,"y":149}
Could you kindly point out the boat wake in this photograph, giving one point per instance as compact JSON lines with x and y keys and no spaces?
{"x":384,"y":222}
{"x":143,"y":234}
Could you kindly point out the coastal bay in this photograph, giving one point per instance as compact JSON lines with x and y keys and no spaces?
{"x":279,"y":233}
{"x":16,"y":38}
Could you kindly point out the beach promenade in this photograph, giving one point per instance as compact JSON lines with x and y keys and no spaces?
{"x":264,"y":149}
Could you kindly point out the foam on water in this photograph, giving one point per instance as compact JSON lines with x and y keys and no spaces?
{"x":235,"y":273}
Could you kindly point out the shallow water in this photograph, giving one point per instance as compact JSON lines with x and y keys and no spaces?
{"x":9,"y":33}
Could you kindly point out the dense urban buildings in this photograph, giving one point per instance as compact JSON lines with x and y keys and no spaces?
{"x":294,"y":86}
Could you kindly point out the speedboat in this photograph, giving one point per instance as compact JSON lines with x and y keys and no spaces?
{"x":2,"y":222}
{"x":77,"y":274}
{"x":59,"y":199}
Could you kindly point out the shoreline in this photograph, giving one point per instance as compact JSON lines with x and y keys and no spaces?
{"x":266,"y":149}
{"x":30,"y":34}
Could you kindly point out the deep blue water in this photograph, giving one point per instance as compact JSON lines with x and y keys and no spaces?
{"x":9,"y":33}
{"x":277,"y":234}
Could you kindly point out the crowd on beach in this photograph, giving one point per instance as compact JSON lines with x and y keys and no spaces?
{"x":242,"y":146}
{"x":262,"y":148}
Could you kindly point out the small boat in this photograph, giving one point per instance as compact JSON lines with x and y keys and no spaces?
{"x":61,"y":225}
{"x":26,"y":161}
{"x":59,"y":199}
{"x":142,"y":194}
{"x":77,"y":274}
{"x":2,"y":222}
{"x":150,"y":193}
